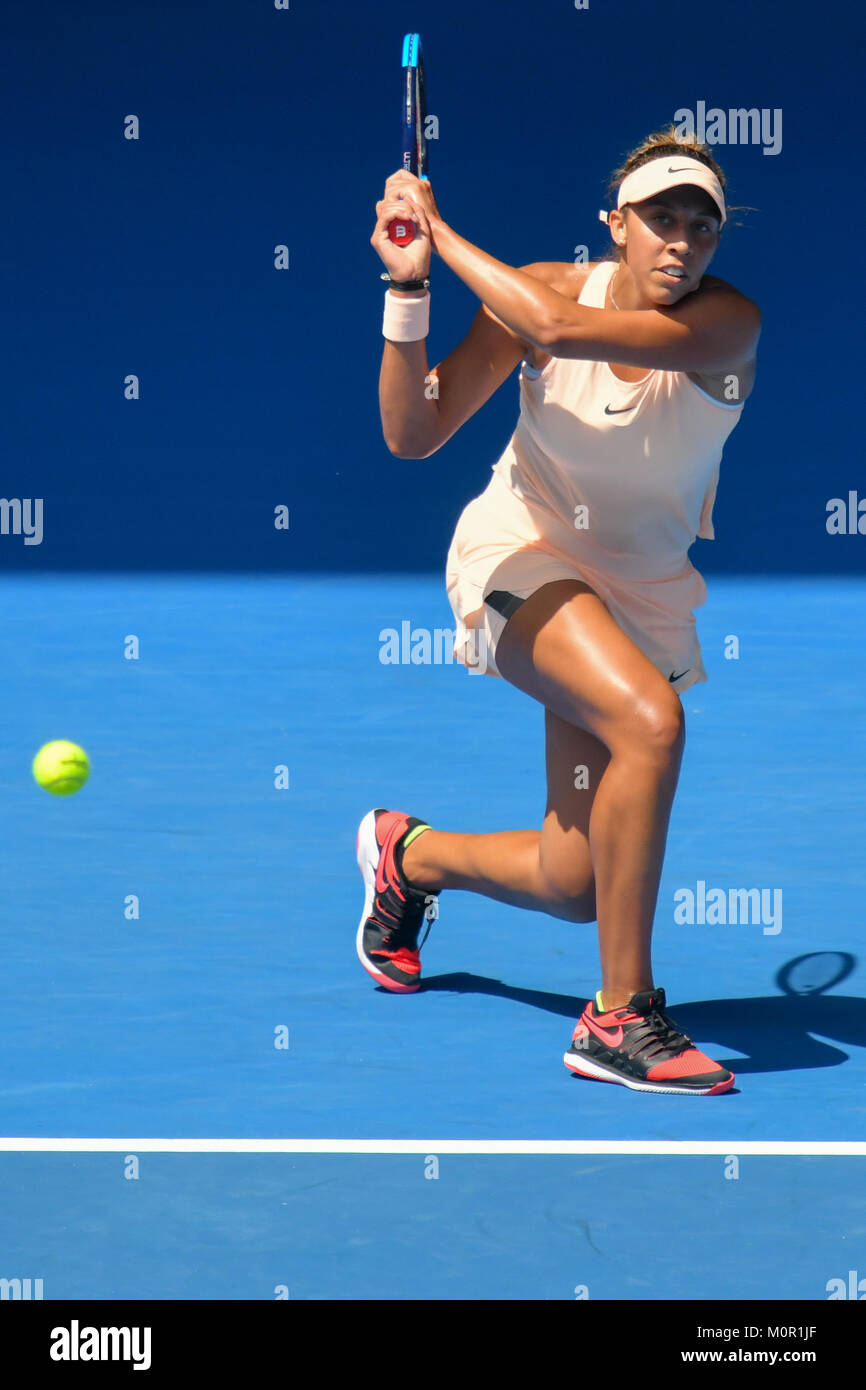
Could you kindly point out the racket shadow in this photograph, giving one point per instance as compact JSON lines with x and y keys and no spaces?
{"x":774,"y":1032}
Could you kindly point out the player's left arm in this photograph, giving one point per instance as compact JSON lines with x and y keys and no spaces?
{"x":713,"y":330}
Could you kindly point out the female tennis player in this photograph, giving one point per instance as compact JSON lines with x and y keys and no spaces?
{"x":569,"y":575}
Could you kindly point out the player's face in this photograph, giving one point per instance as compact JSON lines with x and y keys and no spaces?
{"x":670,"y":241}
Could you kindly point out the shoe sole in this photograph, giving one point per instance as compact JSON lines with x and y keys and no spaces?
{"x":367,"y":853}
{"x":599,"y":1073}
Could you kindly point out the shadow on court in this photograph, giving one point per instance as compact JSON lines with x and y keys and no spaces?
{"x":774,"y":1032}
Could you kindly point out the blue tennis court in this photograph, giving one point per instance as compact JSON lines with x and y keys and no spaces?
{"x":202,"y":1094}
{"x":180,"y":956}
{"x":487,"y":1228}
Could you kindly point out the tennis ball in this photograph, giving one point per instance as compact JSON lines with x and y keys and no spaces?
{"x":61,"y":767}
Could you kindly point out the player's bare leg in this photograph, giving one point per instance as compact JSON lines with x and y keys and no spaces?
{"x":563,"y":648}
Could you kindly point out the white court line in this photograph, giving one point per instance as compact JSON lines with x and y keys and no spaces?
{"x":794,"y":1148}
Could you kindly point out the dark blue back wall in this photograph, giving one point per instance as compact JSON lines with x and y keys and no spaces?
{"x":262,"y":126}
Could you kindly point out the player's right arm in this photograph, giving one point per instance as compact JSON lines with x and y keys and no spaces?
{"x":422,"y":408}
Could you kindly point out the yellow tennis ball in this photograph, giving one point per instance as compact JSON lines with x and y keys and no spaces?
{"x":61,"y":767}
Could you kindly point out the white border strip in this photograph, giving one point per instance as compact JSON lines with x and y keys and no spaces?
{"x":794,"y":1148}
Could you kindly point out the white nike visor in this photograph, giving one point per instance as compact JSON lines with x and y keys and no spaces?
{"x":668,"y":171}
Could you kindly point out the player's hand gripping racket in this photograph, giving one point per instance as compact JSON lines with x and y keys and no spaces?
{"x":401,"y":231}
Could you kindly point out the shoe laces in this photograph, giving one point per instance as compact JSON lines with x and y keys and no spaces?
{"x":659,"y":1029}
{"x":414,"y":913}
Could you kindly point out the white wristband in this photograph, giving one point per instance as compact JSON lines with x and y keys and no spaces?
{"x":406,"y":320}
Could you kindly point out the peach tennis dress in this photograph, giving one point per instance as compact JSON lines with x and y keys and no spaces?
{"x":604,"y":481}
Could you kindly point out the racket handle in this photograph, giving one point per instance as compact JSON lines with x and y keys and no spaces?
{"x":401,"y":231}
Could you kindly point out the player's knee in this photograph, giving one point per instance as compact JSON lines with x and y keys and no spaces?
{"x":567,"y":896}
{"x":656,"y":725}
{"x":577,"y":909}
{"x":582,"y":910}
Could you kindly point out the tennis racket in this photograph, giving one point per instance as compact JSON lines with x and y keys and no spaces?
{"x":401,"y":231}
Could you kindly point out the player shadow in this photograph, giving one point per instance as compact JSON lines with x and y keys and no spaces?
{"x":775,"y":1032}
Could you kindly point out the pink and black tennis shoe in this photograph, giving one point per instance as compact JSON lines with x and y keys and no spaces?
{"x":394,"y":911}
{"x":639,"y":1046}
